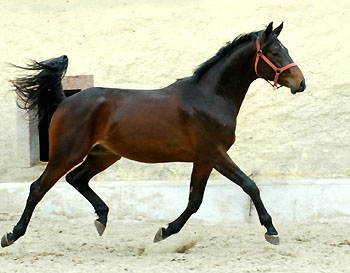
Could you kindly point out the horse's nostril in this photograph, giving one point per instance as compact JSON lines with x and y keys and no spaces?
{"x":302,"y":85}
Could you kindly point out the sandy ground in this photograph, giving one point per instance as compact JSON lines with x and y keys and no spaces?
{"x":53,"y":245}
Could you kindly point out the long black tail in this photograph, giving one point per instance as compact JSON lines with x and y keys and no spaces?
{"x":41,"y":92}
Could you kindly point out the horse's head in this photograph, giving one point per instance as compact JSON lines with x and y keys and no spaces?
{"x":274,"y":63}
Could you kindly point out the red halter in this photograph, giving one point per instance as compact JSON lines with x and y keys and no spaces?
{"x":277,"y":70}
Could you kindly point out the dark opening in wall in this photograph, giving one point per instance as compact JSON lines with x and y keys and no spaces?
{"x":71,"y":86}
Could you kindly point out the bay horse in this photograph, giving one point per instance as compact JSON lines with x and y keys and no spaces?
{"x":191,"y":120}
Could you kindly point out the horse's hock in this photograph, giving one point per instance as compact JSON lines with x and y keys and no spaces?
{"x":32,"y":141}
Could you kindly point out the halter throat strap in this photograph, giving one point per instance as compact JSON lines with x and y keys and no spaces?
{"x":277,"y":70}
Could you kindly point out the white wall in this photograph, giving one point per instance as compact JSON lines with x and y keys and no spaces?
{"x":288,"y":201}
{"x":149,"y":44}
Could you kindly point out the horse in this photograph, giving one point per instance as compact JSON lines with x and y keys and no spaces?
{"x":191,"y":120}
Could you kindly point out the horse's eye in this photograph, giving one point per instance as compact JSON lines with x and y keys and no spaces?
{"x":274,"y":53}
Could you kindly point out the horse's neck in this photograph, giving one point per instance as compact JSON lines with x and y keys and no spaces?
{"x":232,"y":76}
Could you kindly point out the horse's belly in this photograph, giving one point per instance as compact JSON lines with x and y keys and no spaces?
{"x":152,"y":154}
{"x":152,"y":151}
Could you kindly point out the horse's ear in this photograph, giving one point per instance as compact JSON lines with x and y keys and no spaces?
{"x":266,"y":33}
{"x":278,"y":29}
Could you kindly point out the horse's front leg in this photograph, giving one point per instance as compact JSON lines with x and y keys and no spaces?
{"x":199,"y":178}
{"x":228,"y":168}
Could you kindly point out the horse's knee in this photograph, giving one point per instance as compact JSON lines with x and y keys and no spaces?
{"x":252,"y":189}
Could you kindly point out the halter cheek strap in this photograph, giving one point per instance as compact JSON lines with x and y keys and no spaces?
{"x":277,"y":70}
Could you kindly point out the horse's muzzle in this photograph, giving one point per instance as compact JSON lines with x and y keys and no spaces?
{"x":298,"y":89}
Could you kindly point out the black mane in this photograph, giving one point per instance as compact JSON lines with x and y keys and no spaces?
{"x":223,"y":52}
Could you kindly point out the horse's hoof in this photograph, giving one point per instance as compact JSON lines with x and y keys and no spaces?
{"x":272,"y":239}
{"x":100,"y":227}
{"x":159,"y":236}
{"x":5,"y":242}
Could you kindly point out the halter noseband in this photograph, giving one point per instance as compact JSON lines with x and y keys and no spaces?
{"x":277,"y":70}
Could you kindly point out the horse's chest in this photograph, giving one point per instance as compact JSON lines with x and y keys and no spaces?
{"x":220,"y":131}
{"x":226,"y":132}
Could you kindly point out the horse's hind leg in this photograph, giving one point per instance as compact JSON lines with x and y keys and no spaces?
{"x":37,"y":191}
{"x":199,"y":178}
{"x":66,"y":151}
{"x":97,"y":161}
